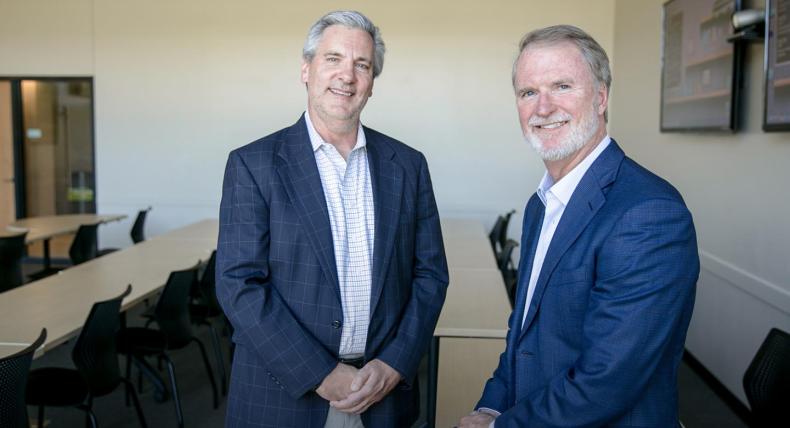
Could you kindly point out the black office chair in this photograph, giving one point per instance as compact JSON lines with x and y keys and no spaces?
{"x":137,"y":233}
{"x":175,"y":332}
{"x":495,"y":233}
{"x":503,"y":231}
{"x":13,"y":384}
{"x":97,"y":371}
{"x":84,"y":246}
{"x":12,"y":250}
{"x":767,"y":381}
{"x":508,"y":270}
{"x":204,"y":308}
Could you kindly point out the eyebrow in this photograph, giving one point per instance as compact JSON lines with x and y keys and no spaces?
{"x":338,"y":54}
{"x":563,"y":82}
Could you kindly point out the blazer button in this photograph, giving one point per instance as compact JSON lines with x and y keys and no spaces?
{"x":336,"y":324}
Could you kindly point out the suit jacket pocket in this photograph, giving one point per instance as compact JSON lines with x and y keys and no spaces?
{"x":569,"y":276}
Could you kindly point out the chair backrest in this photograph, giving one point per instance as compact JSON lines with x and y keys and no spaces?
{"x":13,"y":384}
{"x":208,"y":289}
{"x":508,"y":270}
{"x":138,"y":228}
{"x":496,"y":231}
{"x":504,"y":259}
{"x":94,"y":352}
{"x":84,"y":246}
{"x":172,"y":309}
{"x":503,"y":231}
{"x":12,"y":249}
{"x":767,"y":381}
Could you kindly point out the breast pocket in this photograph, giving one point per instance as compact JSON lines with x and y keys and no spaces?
{"x":570,"y":276}
{"x":567,"y":294}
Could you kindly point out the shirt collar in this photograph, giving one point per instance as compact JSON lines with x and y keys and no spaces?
{"x":563,"y":189}
{"x":316,"y":141}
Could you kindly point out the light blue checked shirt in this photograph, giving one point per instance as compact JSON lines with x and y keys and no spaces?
{"x":349,"y":200}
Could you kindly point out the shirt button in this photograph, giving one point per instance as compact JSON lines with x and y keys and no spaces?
{"x":336,"y":324}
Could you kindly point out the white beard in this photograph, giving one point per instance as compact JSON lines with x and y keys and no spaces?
{"x":580,"y":133}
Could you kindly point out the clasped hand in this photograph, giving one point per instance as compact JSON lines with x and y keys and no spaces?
{"x":353,"y":391}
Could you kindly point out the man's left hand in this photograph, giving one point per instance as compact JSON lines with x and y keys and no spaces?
{"x":372,"y":383}
{"x":476,"y":420}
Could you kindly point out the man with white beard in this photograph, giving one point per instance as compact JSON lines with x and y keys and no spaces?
{"x":608,"y":264}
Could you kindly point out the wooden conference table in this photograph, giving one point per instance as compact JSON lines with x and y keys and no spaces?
{"x":45,"y":228}
{"x":61,"y":302}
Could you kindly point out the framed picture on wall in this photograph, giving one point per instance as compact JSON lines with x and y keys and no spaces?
{"x":776,"y":116}
{"x":700,"y":69}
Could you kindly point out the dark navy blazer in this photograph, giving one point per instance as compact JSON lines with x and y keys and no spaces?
{"x":605,"y":331}
{"x":277,"y":278}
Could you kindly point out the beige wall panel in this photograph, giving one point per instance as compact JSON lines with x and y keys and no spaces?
{"x":465,"y":364}
{"x":46,"y":37}
{"x":735,"y":186}
{"x":39,"y":113}
{"x":7,"y":205}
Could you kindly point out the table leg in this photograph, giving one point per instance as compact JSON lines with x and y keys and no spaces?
{"x":47,"y":259}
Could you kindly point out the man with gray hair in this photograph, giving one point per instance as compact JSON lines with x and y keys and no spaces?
{"x":330,"y":263}
{"x":608,"y":263}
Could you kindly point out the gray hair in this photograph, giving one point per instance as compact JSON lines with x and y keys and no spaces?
{"x":592,"y":52}
{"x":350,"y":19}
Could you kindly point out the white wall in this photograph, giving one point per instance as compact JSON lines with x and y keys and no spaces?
{"x":735,"y":186}
{"x":46,"y":37}
{"x":178,"y":84}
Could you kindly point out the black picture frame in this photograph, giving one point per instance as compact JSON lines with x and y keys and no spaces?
{"x":776,"y":99}
{"x":700,"y":69}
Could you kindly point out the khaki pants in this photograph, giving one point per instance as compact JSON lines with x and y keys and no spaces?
{"x":338,"y":419}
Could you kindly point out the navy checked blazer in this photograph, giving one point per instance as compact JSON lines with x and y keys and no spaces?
{"x":605,"y":330}
{"x":277,"y":279}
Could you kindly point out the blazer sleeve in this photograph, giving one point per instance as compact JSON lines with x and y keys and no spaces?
{"x":429,"y":285}
{"x":638,"y":312}
{"x":261,"y":319}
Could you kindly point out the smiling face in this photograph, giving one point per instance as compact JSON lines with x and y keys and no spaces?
{"x":339,"y":78}
{"x":560,"y":105}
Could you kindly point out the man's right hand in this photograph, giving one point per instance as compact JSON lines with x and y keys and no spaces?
{"x":337,"y":385}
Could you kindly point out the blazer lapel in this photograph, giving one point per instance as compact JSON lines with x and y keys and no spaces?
{"x":302,"y":181}
{"x":387,"y":182}
{"x":533,"y":215}
{"x":586,"y":201}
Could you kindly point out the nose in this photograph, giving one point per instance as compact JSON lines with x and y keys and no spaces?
{"x":545,"y":105}
{"x":346,"y":74}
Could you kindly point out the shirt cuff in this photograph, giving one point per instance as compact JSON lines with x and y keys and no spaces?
{"x":491,"y":412}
